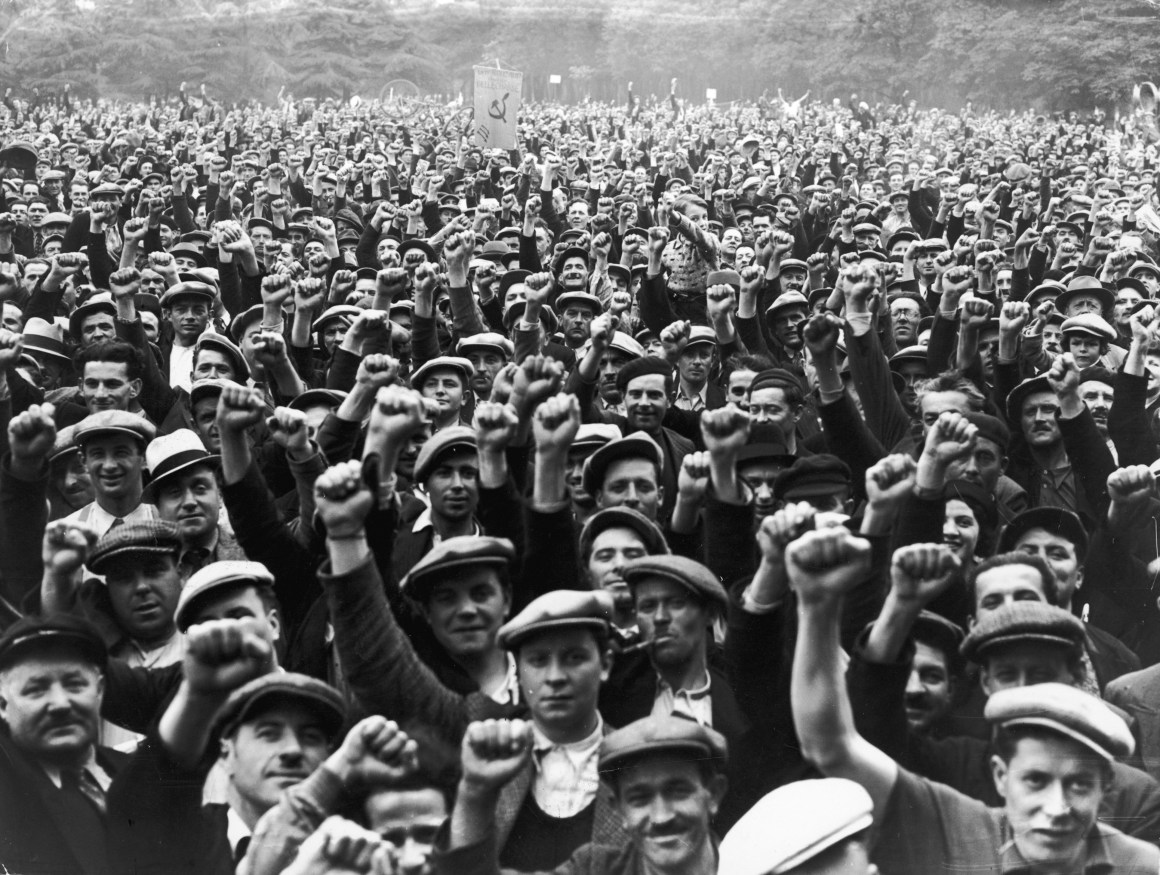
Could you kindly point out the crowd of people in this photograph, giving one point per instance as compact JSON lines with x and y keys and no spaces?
{"x":691,"y":489}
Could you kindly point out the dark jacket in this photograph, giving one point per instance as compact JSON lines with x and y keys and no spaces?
{"x":43,"y":829}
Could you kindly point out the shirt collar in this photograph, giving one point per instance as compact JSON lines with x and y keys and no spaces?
{"x":424,"y":521}
{"x":576,"y":751}
{"x":1096,"y":859}
{"x":236,"y":829}
{"x":698,"y":692}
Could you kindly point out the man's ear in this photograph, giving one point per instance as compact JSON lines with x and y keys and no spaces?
{"x":985,"y":682}
{"x":135,"y":387}
{"x":275,"y":624}
{"x":1079,"y":579}
{"x":660,"y":495}
{"x":717,"y":787}
{"x":999,"y":775}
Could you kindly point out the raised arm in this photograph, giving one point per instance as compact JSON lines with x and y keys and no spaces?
{"x":823,"y":566}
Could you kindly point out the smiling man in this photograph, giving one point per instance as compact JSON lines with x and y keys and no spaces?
{"x":112,"y":446}
{"x":110,"y":376}
{"x":53,"y":774}
{"x":665,"y":777}
{"x":1051,"y":763}
{"x":186,"y":308}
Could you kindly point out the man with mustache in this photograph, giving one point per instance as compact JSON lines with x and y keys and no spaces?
{"x":1059,"y":456}
{"x":270,"y":730}
{"x":666,"y":779}
{"x":53,"y":774}
{"x":1097,"y":389}
{"x":1018,"y":637}
{"x":1054,"y":753}
{"x":488,"y":353}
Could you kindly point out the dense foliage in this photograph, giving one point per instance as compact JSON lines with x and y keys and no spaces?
{"x":1052,"y":53}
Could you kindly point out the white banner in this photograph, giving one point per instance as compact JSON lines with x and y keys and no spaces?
{"x":497,"y":103}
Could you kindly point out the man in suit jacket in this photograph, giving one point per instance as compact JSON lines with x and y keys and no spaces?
{"x":270,"y":729}
{"x":53,"y":776}
{"x":680,"y":672}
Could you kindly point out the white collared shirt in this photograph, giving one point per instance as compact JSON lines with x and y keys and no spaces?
{"x":236,"y":830}
{"x":100,"y":520}
{"x":695,"y":402}
{"x":567,"y":778}
{"x":103,"y":779}
{"x":424,"y":521}
{"x":508,"y":693}
{"x":181,"y":367}
{"x":696,"y":703}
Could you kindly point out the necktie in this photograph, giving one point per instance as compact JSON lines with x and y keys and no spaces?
{"x":240,"y":850}
{"x":38,"y":242}
{"x":80,"y":780}
{"x":193,"y":559}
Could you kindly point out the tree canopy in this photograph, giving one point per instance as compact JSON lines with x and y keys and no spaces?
{"x":1052,"y":53}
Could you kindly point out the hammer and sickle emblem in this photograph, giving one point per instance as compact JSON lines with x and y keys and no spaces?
{"x":498,"y":108}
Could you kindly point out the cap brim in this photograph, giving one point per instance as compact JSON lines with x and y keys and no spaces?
{"x":417,"y":586}
{"x":103,"y":560}
{"x":514,"y":639}
{"x":1063,"y":729}
{"x":212,"y":460}
{"x":822,"y":844}
{"x":622,"y":757}
{"x":322,"y":704}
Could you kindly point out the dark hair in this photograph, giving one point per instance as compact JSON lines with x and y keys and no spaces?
{"x":756,"y":362}
{"x":1007,"y":739}
{"x":112,"y":351}
{"x":1050,"y":588}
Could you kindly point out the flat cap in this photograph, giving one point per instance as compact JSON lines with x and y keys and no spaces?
{"x":561,"y":609}
{"x":440,"y":443}
{"x":812,"y":476}
{"x":34,"y":633}
{"x":579,"y":299}
{"x":453,"y":553}
{"x":786,"y":300}
{"x":98,"y":303}
{"x":317,"y":398}
{"x":635,"y":445}
{"x":487,"y":340}
{"x":692,"y":575}
{"x":443,"y":362}
{"x":727,"y":277}
{"x":1089,"y":324}
{"x":147,"y":536}
{"x":593,"y":435}
{"x":793,"y":824}
{"x":623,"y":518}
{"x":1051,"y":519}
{"x":243,"y":702}
{"x":1019,"y":394}
{"x":909,"y":354}
{"x":651,"y":736}
{"x":335,"y":314}
{"x":1020,"y":622}
{"x":221,"y":343}
{"x":206,"y":389}
{"x":626,"y":344}
{"x":115,"y":422}
{"x":1066,"y":710}
{"x":202,"y":291}
{"x":215,"y":576}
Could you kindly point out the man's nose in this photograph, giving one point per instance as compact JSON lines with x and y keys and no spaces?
{"x":913,"y":684}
